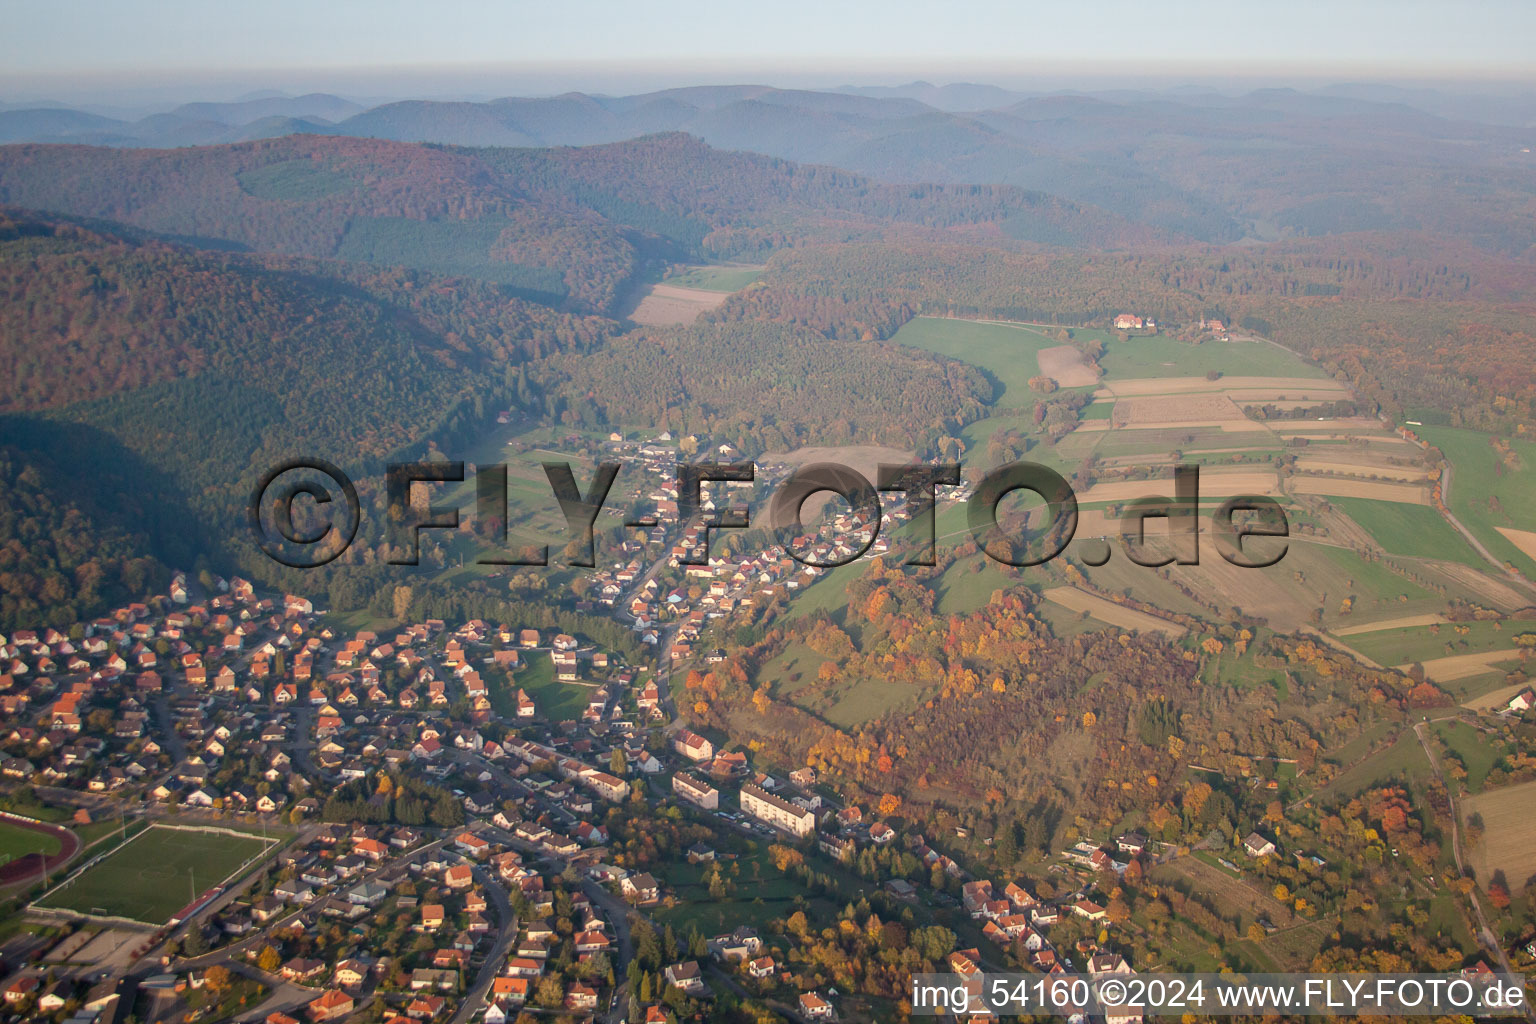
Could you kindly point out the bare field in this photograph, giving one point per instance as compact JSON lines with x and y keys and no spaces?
{"x":1493,"y":700}
{"x":1107,"y":611}
{"x":1491,"y":590}
{"x":1157,"y":412}
{"x":1288,"y":386}
{"x":1525,"y":540}
{"x":1094,"y":522}
{"x":1267,"y":593}
{"x":1398,"y":623}
{"x":1463,"y":666}
{"x":1352,"y":426}
{"x":1509,"y":833}
{"x":667,"y":304}
{"x":1065,"y":365}
{"x":1241,"y":425}
{"x":1411,"y":494}
{"x":1288,"y":398}
{"x":1406,"y":474}
{"x":1213,"y":483}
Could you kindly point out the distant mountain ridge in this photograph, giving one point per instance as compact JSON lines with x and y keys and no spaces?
{"x":564,"y":226}
{"x":1203,"y":164}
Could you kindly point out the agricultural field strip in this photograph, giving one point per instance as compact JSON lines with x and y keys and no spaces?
{"x":1277,"y":387}
{"x":1347,"y":488}
{"x":1430,"y":619}
{"x":667,"y":304}
{"x":1406,"y":474}
{"x":1107,"y":611}
{"x":1525,"y":540}
{"x":1493,"y":700}
{"x":1462,"y":666}
{"x":1509,"y":832}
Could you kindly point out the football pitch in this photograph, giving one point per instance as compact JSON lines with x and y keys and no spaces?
{"x":156,"y":873}
{"x":16,"y":842}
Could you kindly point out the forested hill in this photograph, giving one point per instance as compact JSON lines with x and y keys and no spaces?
{"x":563,"y":226}
{"x":1214,"y":165}
{"x":72,"y":541}
{"x":751,"y":202}
{"x":153,"y":382}
{"x":158,"y":381}
{"x":776,"y":387}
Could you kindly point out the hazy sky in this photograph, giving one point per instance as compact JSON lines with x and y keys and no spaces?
{"x":464,"y":45}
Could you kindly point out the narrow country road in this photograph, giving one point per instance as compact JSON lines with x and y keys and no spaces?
{"x":1486,"y":934}
{"x":1477,"y":545}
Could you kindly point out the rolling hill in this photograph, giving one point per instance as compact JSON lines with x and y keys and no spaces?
{"x":153,"y":382}
{"x":1213,"y":166}
{"x":567,"y":226}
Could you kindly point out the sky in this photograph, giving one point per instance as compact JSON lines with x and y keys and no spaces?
{"x":477,"y":47}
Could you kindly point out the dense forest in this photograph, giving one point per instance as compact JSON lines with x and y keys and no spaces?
{"x":68,"y":547}
{"x":199,"y":369}
{"x":771,"y":387}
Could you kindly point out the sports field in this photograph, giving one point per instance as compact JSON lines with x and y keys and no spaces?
{"x":16,"y":841}
{"x":155,"y":874}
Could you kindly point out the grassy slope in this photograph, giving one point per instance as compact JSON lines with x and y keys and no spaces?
{"x":1416,"y":531}
{"x":1469,"y":744}
{"x":1475,"y":477}
{"x":1165,"y":357}
{"x":1425,"y":643}
{"x":715,"y":279}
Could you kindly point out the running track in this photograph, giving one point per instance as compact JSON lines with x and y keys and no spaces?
{"x":30,"y":867}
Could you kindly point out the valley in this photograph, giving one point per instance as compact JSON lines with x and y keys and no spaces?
{"x":916,"y":763}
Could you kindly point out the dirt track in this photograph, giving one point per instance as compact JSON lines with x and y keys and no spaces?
{"x":1182,"y":410}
